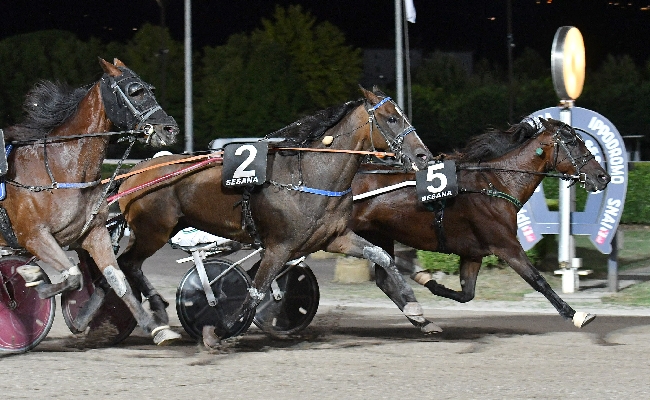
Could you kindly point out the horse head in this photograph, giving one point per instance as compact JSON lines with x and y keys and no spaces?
{"x":570,"y":155}
{"x":131,"y":105}
{"x":389,"y":127}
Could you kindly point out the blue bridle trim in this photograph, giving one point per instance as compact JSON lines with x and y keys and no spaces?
{"x":406,"y":132}
{"x":322,"y":192}
{"x":381,"y":103}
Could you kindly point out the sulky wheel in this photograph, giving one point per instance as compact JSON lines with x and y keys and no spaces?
{"x":113,"y":322}
{"x":230,"y":291}
{"x":291,"y":307}
{"x":25,"y":318}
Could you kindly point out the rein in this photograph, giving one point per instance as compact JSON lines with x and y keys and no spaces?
{"x":163,"y":178}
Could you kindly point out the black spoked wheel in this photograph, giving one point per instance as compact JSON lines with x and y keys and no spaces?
{"x":113,"y":322}
{"x":290,"y":306}
{"x":230,"y":291}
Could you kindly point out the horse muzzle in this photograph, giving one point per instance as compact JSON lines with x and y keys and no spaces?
{"x":159,"y":134}
{"x":596,"y":182}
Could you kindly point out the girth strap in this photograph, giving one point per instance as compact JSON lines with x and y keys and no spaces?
{"x":6,"y":229}
{"x":438,"y":210}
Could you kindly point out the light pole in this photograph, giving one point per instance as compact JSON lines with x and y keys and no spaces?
{"x":189,"y":134}
{"x":568,"y":69}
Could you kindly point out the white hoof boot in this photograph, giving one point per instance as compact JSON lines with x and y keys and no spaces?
{"x":210,"y":339}
{"x":32,"y":274}
{"x":580,"y":319}
{"x":163,"y":336}
{"x":413,"y":311}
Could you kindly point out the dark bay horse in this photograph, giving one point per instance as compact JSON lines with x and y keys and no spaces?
{"x":303,"y":206}
{"x":497,"y":173}
{"x":54,"y":196}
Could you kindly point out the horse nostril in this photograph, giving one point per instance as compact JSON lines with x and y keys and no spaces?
{"x":604,"y":178}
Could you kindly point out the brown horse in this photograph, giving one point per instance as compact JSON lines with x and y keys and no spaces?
{"x":497,"y":173}
{"x":54,"y":196}
{"x":303,"y":206}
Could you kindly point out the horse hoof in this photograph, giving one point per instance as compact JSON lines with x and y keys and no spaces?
{"x":430,"y":328}
{"x":32,"y":274}
{"x":210,"y":339}
{"x":72,"y":282}
{"x":162,"y":335}
{"x":581,"y":319}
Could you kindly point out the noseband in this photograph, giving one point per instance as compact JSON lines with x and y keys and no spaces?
{"x":577,"y":162}
{"x":394,"y":145}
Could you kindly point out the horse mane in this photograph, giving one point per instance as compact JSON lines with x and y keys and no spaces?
{"x":313,"y":126}
{"x":495,"y":143}
{"x":47,"y":105}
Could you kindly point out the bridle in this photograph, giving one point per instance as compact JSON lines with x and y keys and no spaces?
{"x":560,"y":141}
{"x":394,"y":145}
{"x":116,"y":86}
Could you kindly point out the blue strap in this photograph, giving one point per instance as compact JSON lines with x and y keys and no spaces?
{"x":381,"y":103}
{"x":81,"y":185}
{"x":322,"y":192}
{"x":406,"y":132}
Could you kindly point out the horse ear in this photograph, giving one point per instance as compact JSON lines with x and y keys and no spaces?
{"x":370,"y":96}
{"x":118,"y":63}
{"x":109,"y":68}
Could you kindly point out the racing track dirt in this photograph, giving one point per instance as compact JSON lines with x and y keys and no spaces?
{"x":356,"y":350}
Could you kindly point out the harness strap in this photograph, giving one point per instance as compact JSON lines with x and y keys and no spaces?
{"x":322,"y":192}
{"x":382,"y":190}
{"x":496,"y":193}
{"x":438,"y":209}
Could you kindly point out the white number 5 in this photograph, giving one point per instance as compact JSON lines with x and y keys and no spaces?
{"x":431,"y":175}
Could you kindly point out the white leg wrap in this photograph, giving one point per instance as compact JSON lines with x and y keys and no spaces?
{"x":71,"y":271}
{"x":116,"y":279}
{"x":422,"y":277}
{"x":255,"y":294}
{"x":377,"y":255}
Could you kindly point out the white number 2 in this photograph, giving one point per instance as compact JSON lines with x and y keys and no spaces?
{"x":241,"y":172}
{"x":431,"y":175}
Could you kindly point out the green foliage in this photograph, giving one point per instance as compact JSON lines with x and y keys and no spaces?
{"x":258,"y":83}
{"x":449,"y":263}
{"x":637,"y":204}
{"x":318,"y":55}
{"x":53,"y":55}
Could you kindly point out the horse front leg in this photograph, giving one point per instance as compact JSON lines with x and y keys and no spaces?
{"x":98,"y":244}
{"x":517,"y":259}
{"x":468,"y":272}
{"x":387,"y":277}
{"x":44,"y":246}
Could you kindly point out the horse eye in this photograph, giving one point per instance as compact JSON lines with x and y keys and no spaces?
{"x":135,"y":89}
{"x":392,"y":120}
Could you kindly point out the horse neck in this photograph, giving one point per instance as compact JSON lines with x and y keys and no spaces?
{"x":350,"y":134}
{"x":520,"y":184}
{"x":90,"y":117}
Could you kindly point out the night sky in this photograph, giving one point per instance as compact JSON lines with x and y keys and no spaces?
{"x":479,"y":26}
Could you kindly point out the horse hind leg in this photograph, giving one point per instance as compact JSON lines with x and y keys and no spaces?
{"x":468,"y":272}
{"x":387,"y":277}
